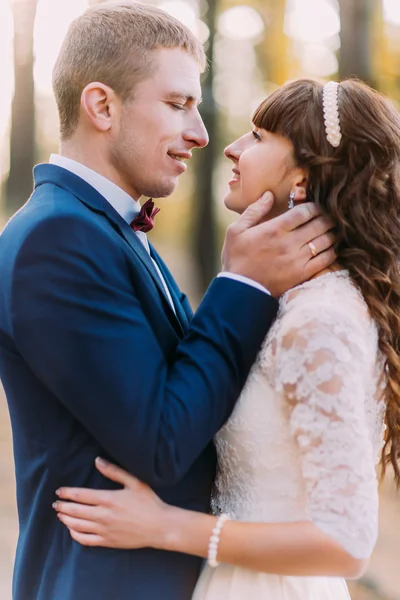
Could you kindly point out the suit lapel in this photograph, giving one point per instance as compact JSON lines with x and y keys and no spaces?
{"x":47,"y":173}
{"x":173,"y":289}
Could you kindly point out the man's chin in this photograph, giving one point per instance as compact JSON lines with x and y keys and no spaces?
{"x":164,"y":190}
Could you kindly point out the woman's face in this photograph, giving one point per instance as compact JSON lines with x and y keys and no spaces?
{"x":263,"y":161}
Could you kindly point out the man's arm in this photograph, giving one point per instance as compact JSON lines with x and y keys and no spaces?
{"x":83,"y":333}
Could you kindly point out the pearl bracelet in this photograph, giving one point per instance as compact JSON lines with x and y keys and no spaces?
{"x":214,"y":540}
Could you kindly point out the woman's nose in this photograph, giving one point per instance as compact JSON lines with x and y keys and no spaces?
{"x":232,"y":152}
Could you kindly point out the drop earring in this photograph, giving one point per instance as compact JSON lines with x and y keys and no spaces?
{"x":292,"y":196}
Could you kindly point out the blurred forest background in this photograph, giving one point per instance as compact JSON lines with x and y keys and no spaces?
{"x":253,"y":46}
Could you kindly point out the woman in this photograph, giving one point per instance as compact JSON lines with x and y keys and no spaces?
{"x":297,"y":458}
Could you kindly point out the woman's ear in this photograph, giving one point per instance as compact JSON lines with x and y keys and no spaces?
{"x":300,"y":186}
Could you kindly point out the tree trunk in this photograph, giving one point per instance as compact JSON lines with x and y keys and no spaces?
{"x":22,"y":140}
{"x":357,"y":41}
{"x":204,"y":224}
{"x":273,"y":50}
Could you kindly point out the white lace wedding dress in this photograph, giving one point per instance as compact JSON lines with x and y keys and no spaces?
{"x":303,"y":440}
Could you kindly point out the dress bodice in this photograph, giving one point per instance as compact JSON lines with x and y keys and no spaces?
{"x":304,"y":437}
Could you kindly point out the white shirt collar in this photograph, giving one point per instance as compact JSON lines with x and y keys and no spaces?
{"x":123,"y":203}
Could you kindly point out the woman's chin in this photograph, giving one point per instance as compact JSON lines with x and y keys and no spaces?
{"x":233,"y":206}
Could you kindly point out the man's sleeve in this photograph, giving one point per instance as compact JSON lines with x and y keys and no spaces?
{"x":245,"y":280}
{"x":83,"y":332}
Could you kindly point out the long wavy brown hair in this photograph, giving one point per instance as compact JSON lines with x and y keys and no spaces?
{"x":358,"y":185}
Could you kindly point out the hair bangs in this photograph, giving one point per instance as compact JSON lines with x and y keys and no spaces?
{"x":284,"y":111}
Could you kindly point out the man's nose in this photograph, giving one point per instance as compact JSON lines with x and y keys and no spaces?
{"x":197,"y":134}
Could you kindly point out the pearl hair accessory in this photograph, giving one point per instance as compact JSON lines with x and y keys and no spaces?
{"x":214,"y":540}
{"x":331,"y":113}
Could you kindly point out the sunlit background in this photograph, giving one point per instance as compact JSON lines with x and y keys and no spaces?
{"x":254,"y":46}
{"x":303,"y":38}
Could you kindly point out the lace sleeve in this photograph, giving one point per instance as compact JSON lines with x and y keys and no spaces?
{"x":323,"y":372}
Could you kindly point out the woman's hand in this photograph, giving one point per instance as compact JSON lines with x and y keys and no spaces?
{"x":133,"y":517}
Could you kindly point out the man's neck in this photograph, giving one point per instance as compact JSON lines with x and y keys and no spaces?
{"x":95,"y":161}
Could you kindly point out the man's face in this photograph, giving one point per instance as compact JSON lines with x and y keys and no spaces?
{"x":160,"y":126}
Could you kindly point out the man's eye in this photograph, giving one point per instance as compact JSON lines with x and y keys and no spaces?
{"x":256,"y":135}
{"x":177,"y":106}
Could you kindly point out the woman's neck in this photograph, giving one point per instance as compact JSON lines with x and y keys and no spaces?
{"x":334,"y":267}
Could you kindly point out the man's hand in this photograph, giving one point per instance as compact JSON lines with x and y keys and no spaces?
{"x":276,"y":253}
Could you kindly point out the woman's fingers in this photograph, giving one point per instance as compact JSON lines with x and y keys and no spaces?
{"x":115,"y":473}
{"x":108,"y":517}
{"x":80,"y":511}
{"x":87,"y":539}
{"x":99,"y":497}
{"x":84,"y":495}
{"x":80,"y":525}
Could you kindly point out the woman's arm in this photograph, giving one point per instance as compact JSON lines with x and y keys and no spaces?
{"x":297,"y":548}
{"x":321,"y":374}
{"x":135,"y":517}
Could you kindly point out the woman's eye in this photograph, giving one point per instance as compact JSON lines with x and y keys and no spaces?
{"x":256,"y":135}
{"x":177,"y":106}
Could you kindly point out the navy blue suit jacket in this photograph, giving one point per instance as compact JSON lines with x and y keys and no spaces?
{"x":95,"y":362}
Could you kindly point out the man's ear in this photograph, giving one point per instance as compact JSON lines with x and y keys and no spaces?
{"x":99,"y":105}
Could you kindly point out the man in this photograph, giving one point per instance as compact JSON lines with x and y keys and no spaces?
{"x":99,"y":354}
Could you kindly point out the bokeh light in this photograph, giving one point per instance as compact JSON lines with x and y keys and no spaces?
{"x":318,"y":60}
{"x":181,"y":10}
{"x":241,"y":23}
{"x":6,"y":65}
{"x":203,"y":31}
{"x":47,"y":40}
{"x":312,"y":20}
{"x":391,"y":11}
{"x":187,"y":14}
{"x":7,"y":82}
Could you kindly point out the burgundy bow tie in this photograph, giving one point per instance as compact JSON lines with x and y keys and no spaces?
{"x":145,"y":219}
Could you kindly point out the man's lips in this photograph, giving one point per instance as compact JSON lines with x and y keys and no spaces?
{"x":180,"y":155}
{"x":179,"y":160}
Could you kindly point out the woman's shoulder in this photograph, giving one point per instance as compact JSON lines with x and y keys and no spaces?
{"x":334,"y":292}
{"x":324,"y":321}
{"x":330,"y":303}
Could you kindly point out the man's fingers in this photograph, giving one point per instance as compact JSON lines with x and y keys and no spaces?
{"x":115,"y":473}
{"x":254,"y":213}
{"x":299,"y":215}
{"x":312,"y":230}
{"x":319,"y":263}
{"x":321,"y":243}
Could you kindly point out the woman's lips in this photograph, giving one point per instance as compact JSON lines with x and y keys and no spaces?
{"x":235,"y":178}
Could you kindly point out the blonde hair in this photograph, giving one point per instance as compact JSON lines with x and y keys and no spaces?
{"x":113,"y":43}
